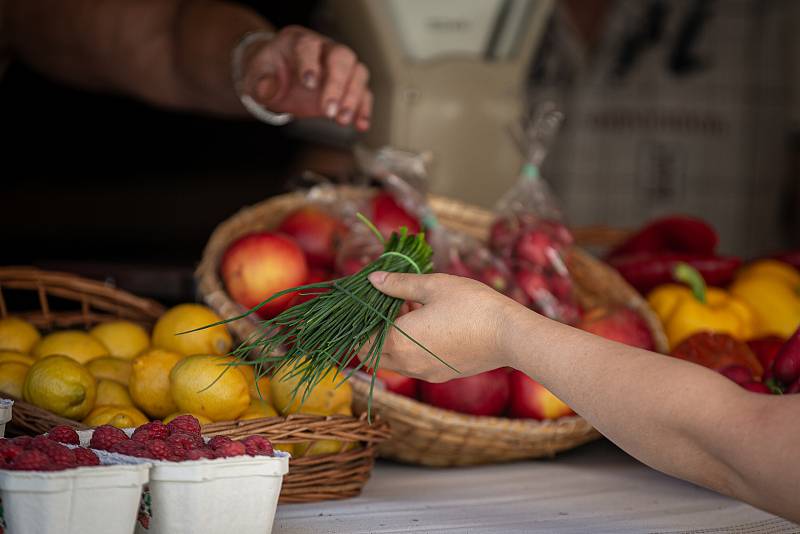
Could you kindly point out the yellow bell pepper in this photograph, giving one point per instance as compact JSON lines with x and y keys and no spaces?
{"x":772,"y":289}
{"x":687,"y":310}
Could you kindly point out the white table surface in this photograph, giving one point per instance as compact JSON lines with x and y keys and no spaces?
{"x":596,"y":488}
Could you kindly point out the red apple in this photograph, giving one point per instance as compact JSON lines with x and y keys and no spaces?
{"x":531,"y":400}
{"x":388,"y":216}
{"x":482,"y":394}
{"x":765,"y":349}
{"x":619,"y":324}
{"x":397,"y":383}
{"x":257,"y":266}
{"x":317,"y":232}
{"x":314,"y":276}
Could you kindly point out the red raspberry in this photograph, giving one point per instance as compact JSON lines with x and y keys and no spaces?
{"x":60,"y":456}
{"x":21,"y":441}
{"x":185,"y":441}
{"x":148,"y":431}
{"x":184,"y":423}
{"x":106,"y":436}
{"x":85,"y":457}
{"x":257,"y":446}
{"x":31,"y":460}
{"x":218,"y":441}
{"x":197,"y":454}
{"x":157,"y":449}
{"x":177,"y":454}
{"x":234,"y":448}
{"x":8,"y":451}
{"x":64,"y":434}
{"x":129,"y":448}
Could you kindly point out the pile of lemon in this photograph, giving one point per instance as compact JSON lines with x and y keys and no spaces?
{"x":118,"y":374}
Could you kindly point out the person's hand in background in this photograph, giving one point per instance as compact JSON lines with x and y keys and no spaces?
{"x":308,"y":75}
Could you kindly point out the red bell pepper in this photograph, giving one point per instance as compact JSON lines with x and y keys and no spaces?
{"x":676,"y":233}
{"x":645,"y":271}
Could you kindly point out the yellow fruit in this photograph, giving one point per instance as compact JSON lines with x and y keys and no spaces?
{"x":258,"y":408}
{"x":317,"y":448}
{"x":285,"y":447}
{"x":12,"y":378}
{"x":323,"y":399}
{"x":111,"y":368}
{"x":149,"y":384}
{"x":123,"y":339}
{"x":185,"y":317}
{"x":259,"y":391}
{"x":11,"y":356}
{"x":61,"y":385}
{"x":111,"y":392}
{"x":118,"y":416}
{"x":205,"y":384}
{"x":202,"y":418}
{"x":78,"y":345}
{"x":17,"y":335}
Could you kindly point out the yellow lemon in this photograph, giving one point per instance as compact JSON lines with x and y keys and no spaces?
{"x":78,"y":345}
{"x":149,"y":384}
{"x":111,"y":368}
{"x":17,"y":335}
{"x":207,"y":385}
{"x":258,"y":408}
{"x":61,"y":385}
{"x":285,"y":447}
{"x":324,"y":399}
{"x":112,"y":392}
{"x":11,"y":356}
{"x":317,"y":448}
{"x":259,"y":390}
{"x":201,"y":418}
{"x":185,"y":317}
{"x":123,"y":339}
{"x":12,"y":378}
{"x":118,"y":416}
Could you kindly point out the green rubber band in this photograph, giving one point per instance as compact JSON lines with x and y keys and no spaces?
{"x":401,"y":255}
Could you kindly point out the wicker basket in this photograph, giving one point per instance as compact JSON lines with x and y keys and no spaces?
{"x":424,"y":434}
{"x":68,"y":301}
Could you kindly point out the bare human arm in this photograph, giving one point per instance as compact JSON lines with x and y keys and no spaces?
{"x":177,"y":53}
{"x":675,"y":416}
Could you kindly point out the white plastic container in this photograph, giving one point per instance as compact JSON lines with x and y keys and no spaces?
{"x":84,"y":500}
{"x":5,"y":414}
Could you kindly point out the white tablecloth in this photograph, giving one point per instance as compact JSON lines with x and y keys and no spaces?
{"x":596,"y":488}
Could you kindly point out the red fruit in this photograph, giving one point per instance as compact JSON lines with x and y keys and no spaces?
{"x":197,"y":454}
{"x":756,"y":387}
{"x":64,"y":434}
{"x":177,"y":454}
{"x":620,"y":324}
{"x":31,"y":460}
{"x":226,"y":450}
{"x":21,"y":441}
{"x":738,"y":373}
{"x":482,"y":394}
{"x":8,"y":451}
{"x":388,"y":216}
{"x":316,"y":232}
{"x":397,"y":383}
{"x":717,"y":351}
{"x":258,"y":265}
{"x":60,"y":456}
{"x":794,"y":388}
{"x":106,"y":436}
{"x":535,"y":247}
{"x":530,"y":399}
{"x":130,"y":448}
{"x":766,"y":349}
{"x":151,"y":431}
{"x":218,"y":441}
{"x":257,"y":446}
{"x":157,"y":449}
{"x":786,"y":366}
{"x":85,"y":457}
{"x":184,"y":423}
{"x":351,"y":266}
{"x":185,"y":441}
{"x":315,"y":276}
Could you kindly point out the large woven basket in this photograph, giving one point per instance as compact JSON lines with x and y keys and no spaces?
{"x":68,"y":301}
{"x":423,"y":434}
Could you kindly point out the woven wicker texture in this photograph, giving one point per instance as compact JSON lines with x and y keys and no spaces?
{"x":334,"y":476}
{"x":423,"y":434}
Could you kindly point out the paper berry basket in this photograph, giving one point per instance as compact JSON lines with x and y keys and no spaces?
{"x":423,"y":434}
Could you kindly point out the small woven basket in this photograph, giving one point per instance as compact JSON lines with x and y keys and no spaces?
{"x":423,"y":434}
{"x":69,"y":301}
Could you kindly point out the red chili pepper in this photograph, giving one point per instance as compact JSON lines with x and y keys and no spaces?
{"x":677,"y":233}
{"x":792,"y":257}
{"x":645,"y":271}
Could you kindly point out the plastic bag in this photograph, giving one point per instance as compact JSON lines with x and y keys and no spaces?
{"x":529,"y":232}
